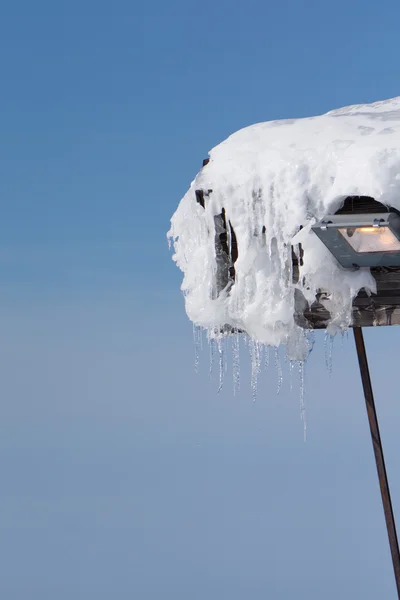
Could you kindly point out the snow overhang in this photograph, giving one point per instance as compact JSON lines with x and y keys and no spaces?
{"x":233,"y":230}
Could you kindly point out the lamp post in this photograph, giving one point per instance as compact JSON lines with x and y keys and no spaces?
{"x":378,"y":452}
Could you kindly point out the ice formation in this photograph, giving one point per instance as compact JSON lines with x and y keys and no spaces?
{"x":264,"y":183}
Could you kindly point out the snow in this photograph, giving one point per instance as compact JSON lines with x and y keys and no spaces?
{"x":271,"y":179}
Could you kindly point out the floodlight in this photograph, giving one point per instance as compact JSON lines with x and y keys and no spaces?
{"x":363,"y":240}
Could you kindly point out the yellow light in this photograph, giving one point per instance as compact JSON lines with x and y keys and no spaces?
{"x":370,"y":239}
{"x":368,"y":229}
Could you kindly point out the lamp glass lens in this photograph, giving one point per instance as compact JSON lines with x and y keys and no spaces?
{"x":371,"y":239}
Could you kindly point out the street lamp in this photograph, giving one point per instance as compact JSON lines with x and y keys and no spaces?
{"x":370,"y":239}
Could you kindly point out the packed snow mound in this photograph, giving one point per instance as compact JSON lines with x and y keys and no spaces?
{"x":263,"y":183}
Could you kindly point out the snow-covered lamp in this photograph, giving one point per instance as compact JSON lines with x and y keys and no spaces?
{"x":244,"y":238}
{"x":362,"y":240}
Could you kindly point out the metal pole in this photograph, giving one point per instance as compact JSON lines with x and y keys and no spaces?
{"x":378,"y":451}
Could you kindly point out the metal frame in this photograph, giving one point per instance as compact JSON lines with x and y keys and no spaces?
{"x":380,"y":309}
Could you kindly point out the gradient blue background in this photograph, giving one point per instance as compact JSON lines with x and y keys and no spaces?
{"x":123,"y":473}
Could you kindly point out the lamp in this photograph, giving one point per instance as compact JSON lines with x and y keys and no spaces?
{"x":362,"y":240}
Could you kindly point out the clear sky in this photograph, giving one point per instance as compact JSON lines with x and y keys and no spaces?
{"x":123,"y":473}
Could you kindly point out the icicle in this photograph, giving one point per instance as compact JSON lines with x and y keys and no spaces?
{"x":255,"y":354}
{"x":328,"y":343}
{"x":310,"y":337}
{"x":345,"y":336}
{"x":197,"y":346}
{"x":302,"y":402}
{"x":236,"y":363}
{"x":266,"y":362}
{"x":291,"y":369}
{"x":211,"y":343}
{"x":221,"y":364}
{"x":278,"y":370}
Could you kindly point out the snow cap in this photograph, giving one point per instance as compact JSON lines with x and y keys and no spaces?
{"x":266,"y":182}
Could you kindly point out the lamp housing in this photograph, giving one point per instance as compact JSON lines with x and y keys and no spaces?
{"x":362,"y":240}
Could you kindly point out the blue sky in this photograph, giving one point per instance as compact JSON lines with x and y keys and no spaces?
{"x":124,"y":474}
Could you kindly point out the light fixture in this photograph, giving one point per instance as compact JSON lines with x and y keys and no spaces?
{"x":362,"y":240}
